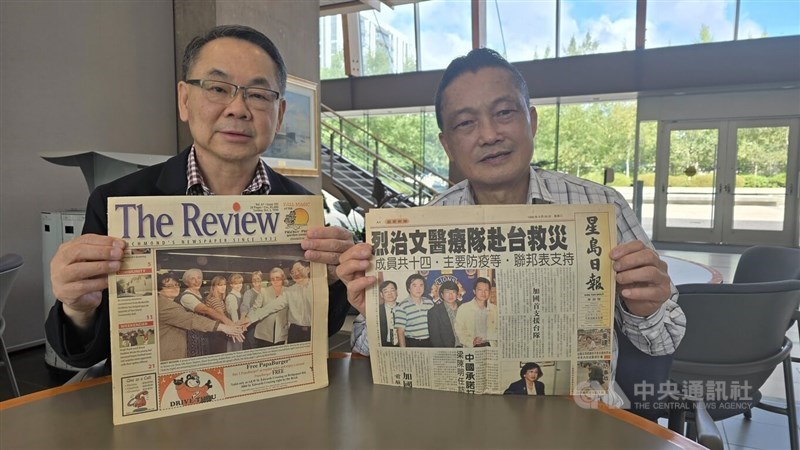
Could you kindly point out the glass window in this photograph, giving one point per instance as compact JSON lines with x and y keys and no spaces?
{"x":445,"y":32}
{"x":544,"y":143}
{"x":648,"y":133}
{"x":691,"y":191}
{"x":387,"y":40}
{"x":689,"y":22}
{"x":591,"y":26}
{"x":521,"y":31}
{"x":593,"y":136}
{"x":768,"y":18}
{"x":761,"y":177}
{"x":331,"y":48}
{"x":433,"y":154}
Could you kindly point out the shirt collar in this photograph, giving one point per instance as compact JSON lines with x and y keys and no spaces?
{"x":195,"y":185}
{"x":537,"y":191}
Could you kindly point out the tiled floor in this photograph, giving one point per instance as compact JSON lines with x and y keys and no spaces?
{"x":765,"y":431}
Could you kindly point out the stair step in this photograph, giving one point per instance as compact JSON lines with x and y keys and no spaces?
{"x":355,"y":180}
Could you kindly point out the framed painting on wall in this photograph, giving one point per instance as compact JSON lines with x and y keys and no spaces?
{"x":295,"y":150}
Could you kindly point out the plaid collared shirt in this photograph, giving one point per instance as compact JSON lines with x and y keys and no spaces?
{"x":195,"y":185}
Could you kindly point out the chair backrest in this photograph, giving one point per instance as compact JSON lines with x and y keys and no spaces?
{"x":734,"y":340}
{"x":735,"y":323}
{"x":10,"y":264}
{"x":765,"y":263}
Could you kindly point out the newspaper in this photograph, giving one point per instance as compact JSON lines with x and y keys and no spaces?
{"x":189,"y":286}
{"x":492,"y":299}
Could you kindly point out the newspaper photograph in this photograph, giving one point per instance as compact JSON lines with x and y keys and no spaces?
{"x":214,"y":304}
{"x":492,"y":299}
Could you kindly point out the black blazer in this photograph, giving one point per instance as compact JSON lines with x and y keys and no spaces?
{"x":520,"y":388}
{"x":439,"y":327}
{"x":384,"y":327}
{"x":167,"y":178}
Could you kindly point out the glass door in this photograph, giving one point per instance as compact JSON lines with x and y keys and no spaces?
{"x":762,"y":194}
{"x":731,"y":182}
{"x":686,"y":182}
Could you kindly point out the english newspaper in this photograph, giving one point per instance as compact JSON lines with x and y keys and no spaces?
{"x":214,"y":304}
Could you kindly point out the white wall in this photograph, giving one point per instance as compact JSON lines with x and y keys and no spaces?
{"x":77,"y":75}
{"x":726,"y":105}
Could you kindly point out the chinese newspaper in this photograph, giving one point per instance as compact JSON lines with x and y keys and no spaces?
{"x":492,"y":299}
{"x":214,"y":304}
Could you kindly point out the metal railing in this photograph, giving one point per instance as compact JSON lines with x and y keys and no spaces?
{"x":394,"y":167}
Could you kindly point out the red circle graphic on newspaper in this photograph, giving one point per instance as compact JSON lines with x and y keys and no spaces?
{"x":191,"y":388}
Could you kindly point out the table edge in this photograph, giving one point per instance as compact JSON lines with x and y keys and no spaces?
{"x":716,"y":275}
{"x":52,"y":392}
{"x":650,"y":427}
{"x":626,"y":416}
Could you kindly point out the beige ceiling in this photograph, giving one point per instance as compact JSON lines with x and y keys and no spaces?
{"x":333,"y":7}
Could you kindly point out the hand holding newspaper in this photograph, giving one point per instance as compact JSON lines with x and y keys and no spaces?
{"x":492,"y":299}
{"x":214,"y":303}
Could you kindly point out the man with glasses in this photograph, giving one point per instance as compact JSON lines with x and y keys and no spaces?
{"x":231,"y":96}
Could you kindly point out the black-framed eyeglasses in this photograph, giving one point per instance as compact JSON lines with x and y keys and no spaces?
{"x":223,"y":93}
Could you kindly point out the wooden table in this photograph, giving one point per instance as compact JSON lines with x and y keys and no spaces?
{"x":683,"y":271}
{"x":352,"y":413}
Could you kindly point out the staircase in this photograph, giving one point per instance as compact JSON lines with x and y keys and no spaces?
{"x":341,"y":175}
{"x":364,"y":177}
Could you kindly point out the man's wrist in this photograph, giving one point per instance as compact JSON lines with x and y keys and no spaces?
{"x":82,"y":320}
{"x":639,"y":311}
{"x":332,"y":277}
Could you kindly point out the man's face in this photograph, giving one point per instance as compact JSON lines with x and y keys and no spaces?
{"x":389,"y":293}
{"x":299,"y":272}
{"x":417,"y":288}
{"x":481,"y":292}
{"x":487,"y":129}
{"x":255,"y":281}
{"x":233,"y":133}
{"x":449,"y":296}
{"x":532,"y":374}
